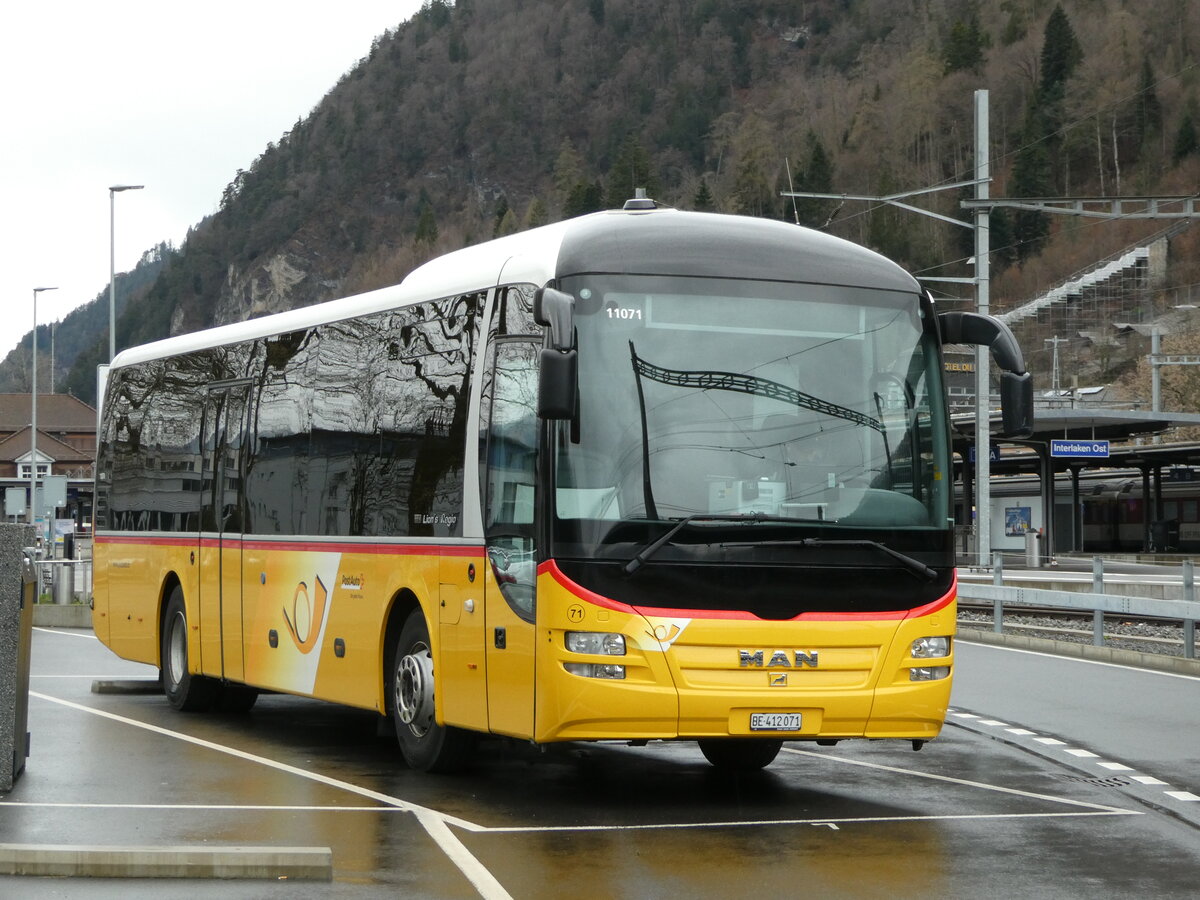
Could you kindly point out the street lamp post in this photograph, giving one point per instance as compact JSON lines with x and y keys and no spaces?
{"x":33,"y":413}
{"x":112,"y":263}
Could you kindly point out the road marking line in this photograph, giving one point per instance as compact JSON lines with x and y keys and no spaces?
{"x":962,"y":781}
{"x":1090,"y":662}
{"x":454,"y":850}
{"x":483,"y":880}
{"x":1187,"y":796}
{"x":1023,"y":732}
{"x":993,"y":723}
{"x":437,"y":824}
{"x":861,"y":820}
{"x":204,"y":807}
{"x":74,"y":633}
{"x":233,"y":751}
{"x":140,"y":676}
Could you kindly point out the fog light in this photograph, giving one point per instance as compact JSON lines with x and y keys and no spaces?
{"x":929,"y":673}
{"x":931,"y":647}
{"x":599,"y":642}
{"x":596,"y":670}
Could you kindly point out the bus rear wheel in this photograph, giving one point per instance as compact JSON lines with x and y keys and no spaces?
{"x":425,"y":745}
{"x":185,"y":691}
{"x":737,"y":755}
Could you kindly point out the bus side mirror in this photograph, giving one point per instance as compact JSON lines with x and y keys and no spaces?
{"x":1016,"y":385}
{"x":555,"y":310}
{"x":558,"y":380}
{"x":1016,"y":404}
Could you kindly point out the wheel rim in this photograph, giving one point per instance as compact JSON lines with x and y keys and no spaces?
{"x":414,"y":690}
{"x":177,"y":649}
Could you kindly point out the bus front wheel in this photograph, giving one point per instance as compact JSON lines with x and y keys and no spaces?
{"x":426,"y":745}
{"x":184,"y":690}
{"x":738,"y":755}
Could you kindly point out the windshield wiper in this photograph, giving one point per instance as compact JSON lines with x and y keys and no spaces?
{"x":913,"y":565}
{"x":650,"y":549}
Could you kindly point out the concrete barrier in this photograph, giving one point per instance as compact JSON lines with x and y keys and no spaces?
{"x":52,"y":615}
{"x":276,"y":863}
{"x":16,"y":615}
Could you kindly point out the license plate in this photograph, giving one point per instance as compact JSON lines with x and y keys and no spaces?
{"x":775,"y":721}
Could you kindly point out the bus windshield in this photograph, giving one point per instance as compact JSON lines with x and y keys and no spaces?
{"x":811,"y":407}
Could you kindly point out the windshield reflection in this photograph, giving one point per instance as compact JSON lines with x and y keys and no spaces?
{"x":813,"y":404}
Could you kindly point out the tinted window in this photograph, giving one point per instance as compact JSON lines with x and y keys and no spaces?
{"x":276,"y":477}
{"x":359,"y":425}
{"x":150,"y":452}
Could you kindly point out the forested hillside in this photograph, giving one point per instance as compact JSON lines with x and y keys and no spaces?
{"x":482,"y":117}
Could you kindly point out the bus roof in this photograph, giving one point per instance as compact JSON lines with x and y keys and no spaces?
{"x":659,"y":241}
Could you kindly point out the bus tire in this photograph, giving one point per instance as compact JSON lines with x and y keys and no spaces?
{"x":237,"y":698}
{"x":739,"y":755}
{"x":185,"y":691}
{"x":425,"y":745}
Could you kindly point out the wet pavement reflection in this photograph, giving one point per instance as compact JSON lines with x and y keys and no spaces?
{"x":967,"y":816}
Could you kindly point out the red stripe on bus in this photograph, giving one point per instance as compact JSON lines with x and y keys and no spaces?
{"x":550,"y":567}
{"x":298,"y":546}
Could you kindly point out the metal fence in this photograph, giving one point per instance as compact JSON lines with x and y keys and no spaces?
{"x":1098,"y":602}
{"x":66,"y":580}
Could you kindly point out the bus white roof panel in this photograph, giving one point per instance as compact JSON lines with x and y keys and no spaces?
{"x":661,"y":241}
{"x":526,"y":257}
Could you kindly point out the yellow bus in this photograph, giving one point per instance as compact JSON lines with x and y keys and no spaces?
{"x":640,"y":475}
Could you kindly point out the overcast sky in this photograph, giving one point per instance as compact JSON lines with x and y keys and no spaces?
{"x":176,"y":96}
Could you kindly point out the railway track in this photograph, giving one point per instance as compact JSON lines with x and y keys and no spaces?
{"x":1147,"y":635}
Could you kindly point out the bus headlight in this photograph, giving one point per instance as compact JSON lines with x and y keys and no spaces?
{"x":930,"y":648}
{"x":596,"y":642}
{"x":929,"y":673}
{"x":595,"y":670}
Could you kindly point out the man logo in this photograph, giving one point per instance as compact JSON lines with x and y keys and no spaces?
{"x":779,"y":659}
{"x":778,"y":679}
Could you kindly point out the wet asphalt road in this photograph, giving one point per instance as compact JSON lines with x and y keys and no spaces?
{"x":1042,"y":785}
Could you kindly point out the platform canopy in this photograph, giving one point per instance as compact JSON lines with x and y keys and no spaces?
{"x":1129,"y":433}
{"x":1118,"y":426}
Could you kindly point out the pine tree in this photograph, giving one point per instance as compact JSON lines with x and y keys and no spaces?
{"x":568,"y":170}
{"x":535,"y":214}
{"x":583,"y":198}
{"x":817,"y":178}
{"x":1186,"y":140}
{"x":630,"y":171}
{"x":498,"y":216}
{"x":1148,"y":111}
{"x":508,"y":224}
{"x":1061,"y":55}
{"x":963,"y":50}
{"x":1031,"y":178}
{"x":703,"y":201}
{"x":427,"y":230}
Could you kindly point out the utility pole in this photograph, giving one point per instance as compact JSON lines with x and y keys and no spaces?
{"x":983,"y":386}
{"x":1055,"y":341}
{"x":981,"y":206}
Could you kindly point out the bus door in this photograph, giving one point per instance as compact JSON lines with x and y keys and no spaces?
{"x":509,"y":476}
{"x":221,"y":518}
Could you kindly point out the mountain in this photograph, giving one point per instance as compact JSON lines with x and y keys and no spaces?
{"x":481,"y":117}
{"x":83,"y":332}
